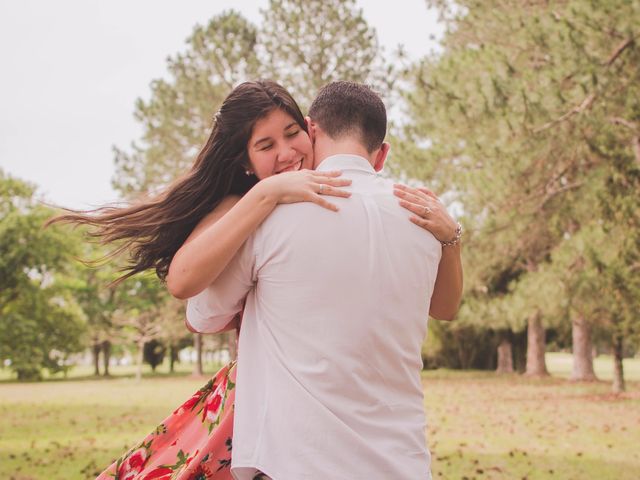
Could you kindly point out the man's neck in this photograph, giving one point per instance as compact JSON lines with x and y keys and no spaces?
{"x":346,"y":147}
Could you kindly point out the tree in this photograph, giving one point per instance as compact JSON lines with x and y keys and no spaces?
{"x":308,"y":43}
{"x":153,"y":353}
{"x":40,"y":323}
{"x":532,"y":114}
{"x":173,"y":333}
{"x":90,"y":287}
{"x":139,"y":312}
{"x":197,"y":344}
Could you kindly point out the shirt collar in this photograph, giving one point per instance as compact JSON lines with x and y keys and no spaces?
{"x":346,"y":162}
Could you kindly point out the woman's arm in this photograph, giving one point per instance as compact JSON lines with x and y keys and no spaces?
{"x":219,"y":235}
{"x":431,"y":215}
{"x":447,"y":291}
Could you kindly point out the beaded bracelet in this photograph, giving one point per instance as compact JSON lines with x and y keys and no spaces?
{"x":456,"y":239}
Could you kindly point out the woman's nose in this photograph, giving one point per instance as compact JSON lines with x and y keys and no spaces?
{"x":287,"y":154}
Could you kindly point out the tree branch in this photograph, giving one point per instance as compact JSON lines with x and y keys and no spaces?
{"x":619,"y":49}
{"x":586,"y":103}
{"x":550,"y":195}
{"x":625,"y":123}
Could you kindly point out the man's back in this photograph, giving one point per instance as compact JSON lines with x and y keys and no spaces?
{"x":329,"y":362}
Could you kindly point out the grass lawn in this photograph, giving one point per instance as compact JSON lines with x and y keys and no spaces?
{"x":481,"y":425}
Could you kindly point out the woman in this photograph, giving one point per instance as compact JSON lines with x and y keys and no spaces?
{"x":254,"y":159}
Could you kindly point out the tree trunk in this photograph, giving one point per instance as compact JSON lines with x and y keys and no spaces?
{"x":505,"y":356}
{"x":106,"y":356}
{"x":233,"y":344}
{"x":618,"y":373}
{"x":95,"y":348}
{"x":582,"y":350}
{"x":536,"y":365}
{"x":172,"y":358}
{"x":139,"y":361}
{"x":197,"y":343}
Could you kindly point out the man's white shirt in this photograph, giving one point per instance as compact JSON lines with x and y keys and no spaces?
{"x":329,"y":357}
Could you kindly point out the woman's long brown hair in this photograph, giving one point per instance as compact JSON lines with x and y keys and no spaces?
{"x":152,"y":230}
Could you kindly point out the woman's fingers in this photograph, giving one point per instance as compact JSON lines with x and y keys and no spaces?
{"x":418,"y":208}
{"x":428,"y":192}
{"x":410,"y":191}
{"x":317,"y":199}
{"x":421,"y":222}
{"x":325,"y":189}
{"x":336,"y":182}
{"x":330,"y":174}
{"x":335,"y":192}
{"x":326,"y":183}
{"x":405,"y":195}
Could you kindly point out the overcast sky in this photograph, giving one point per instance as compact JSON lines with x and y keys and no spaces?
{"x":72,"y":69}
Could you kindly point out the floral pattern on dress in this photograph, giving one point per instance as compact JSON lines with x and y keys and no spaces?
{"x":202,"y":425}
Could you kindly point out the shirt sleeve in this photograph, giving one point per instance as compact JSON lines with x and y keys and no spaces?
{"x":213,"y":308}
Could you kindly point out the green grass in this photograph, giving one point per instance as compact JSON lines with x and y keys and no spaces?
{"x":511,"y":427}
{"x":85,"y":372}
{"x":73,"y":429}
{"x":481,"y":425}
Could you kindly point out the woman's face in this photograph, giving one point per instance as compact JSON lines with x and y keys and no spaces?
{"x":278,"y":144}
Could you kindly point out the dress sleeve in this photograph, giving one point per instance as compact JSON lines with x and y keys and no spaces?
{"x":213,"y":308}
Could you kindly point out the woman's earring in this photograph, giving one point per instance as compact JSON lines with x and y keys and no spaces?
{"x":248,"y":172}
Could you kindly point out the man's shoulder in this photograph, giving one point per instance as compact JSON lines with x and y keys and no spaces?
{"x":292,"y":216}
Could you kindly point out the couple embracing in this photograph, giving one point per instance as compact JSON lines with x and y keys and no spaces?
{"x":284,"y":229}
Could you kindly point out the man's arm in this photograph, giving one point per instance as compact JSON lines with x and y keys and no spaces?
{"x":215,"y":308}
{"x":447,"y":291}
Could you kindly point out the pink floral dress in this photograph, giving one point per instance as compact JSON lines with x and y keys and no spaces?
{"x":193,"y":443}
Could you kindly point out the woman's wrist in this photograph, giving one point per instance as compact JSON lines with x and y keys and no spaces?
{"x":455,"y":238}
{"x":265,"y":192}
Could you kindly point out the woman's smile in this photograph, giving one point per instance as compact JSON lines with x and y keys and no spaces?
{"x":291,"y":167}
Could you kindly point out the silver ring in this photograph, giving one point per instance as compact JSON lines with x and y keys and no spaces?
{"x":321,"y":189}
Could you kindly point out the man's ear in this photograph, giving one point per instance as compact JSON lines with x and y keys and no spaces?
{"x":381,"y":156}
{"x":311,"y":128}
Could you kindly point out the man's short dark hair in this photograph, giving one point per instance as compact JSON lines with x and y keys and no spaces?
{"x":351,"y":109}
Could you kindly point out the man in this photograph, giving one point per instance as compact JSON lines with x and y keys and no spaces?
{"x":328,"y":381}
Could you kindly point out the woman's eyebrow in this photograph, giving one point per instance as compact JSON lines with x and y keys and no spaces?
{"x":262,"y":140}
